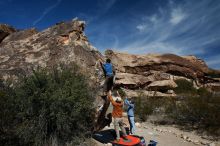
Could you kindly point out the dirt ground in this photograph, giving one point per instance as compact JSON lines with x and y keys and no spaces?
{"x":164,"y":135}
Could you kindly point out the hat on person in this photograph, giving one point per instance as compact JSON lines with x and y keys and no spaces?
{"x":118,"y":99}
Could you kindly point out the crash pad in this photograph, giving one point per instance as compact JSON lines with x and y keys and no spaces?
{"x":131,"y":140}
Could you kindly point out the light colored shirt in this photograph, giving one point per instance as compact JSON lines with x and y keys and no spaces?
{"x":130,"y":110}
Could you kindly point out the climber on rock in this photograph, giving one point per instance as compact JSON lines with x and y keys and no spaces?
{"x":109,"y":73}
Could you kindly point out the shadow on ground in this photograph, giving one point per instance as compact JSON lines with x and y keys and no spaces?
{"x":105,"y":136}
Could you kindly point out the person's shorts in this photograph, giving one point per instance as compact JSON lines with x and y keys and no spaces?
{"x":108,"y":83}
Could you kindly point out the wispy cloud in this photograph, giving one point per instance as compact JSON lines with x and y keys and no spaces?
{"x":104,"y":6}
{"x":183,"y":29}
{"x":177,"y":15}
{"x":142,"y":27}
{"x":46,"y":11}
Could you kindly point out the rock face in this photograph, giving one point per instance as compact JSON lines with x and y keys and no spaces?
{"x":19,"y":35}
{"x":5,"y":30}
{"x":64,"y":43}
{"x":163,"y":84}
{"x":154,"y":72}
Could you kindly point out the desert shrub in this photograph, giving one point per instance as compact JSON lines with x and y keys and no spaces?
{"x":146,"y":106}
{"x":142,"y":110}
{"x":122,"y":93}
{"x":56,"y":105}
{"x":204,"y":92}
{"x":184,"y":87}
{"x":202,"y":112}
{"x":8,"y":113}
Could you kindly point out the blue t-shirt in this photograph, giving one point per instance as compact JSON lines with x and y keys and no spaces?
{"x":130,"y":110}
{"x":108,"y":69}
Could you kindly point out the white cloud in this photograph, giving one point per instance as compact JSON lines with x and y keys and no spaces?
{"x":154,"y":18}
{"x":183,"y":28}
{"x":103,"y":8}
{"x":177,"y":15}
{"x":141,"y":27}
{"x":46,"y":11}
{"x":152,"y":47}
{"x":160,"y":33}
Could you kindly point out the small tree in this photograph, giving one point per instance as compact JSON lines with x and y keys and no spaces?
{"x":56,"y":105}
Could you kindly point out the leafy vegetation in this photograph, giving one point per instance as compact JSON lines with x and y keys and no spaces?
{"x":47,"y":108}
{"x":197,"y":108}
{"x":143,"y":108}
{"x":185,"y":87}
{"x":200,"y":112}
{"x":146,"y":106}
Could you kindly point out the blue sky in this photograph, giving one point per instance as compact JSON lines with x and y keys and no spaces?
{"x":182,"y":27}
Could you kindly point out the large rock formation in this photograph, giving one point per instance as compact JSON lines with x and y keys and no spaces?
{"x":5,"y":30}
{"x":154,"y":72}
{"x":64,"y":43}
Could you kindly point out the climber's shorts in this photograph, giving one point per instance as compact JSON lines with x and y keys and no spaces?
{"x":108,"y":84}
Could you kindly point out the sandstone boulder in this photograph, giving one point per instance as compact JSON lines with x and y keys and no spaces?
{"x":134,"y":80}
{"x":5,"y":30}
{"x":162,"y":85}
{"x":139,"y":93}
{"x":20,"y":35}
{"x":158,"y":72}
{"x":167,"y":63}
{"x":64,"y":43}
{"x":198,"y":62}
{"x":215,"y":87}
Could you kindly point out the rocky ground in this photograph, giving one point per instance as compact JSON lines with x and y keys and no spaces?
{"x":168,"y":136}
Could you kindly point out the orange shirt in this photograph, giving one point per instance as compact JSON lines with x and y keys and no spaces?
{"x":117,"y":108}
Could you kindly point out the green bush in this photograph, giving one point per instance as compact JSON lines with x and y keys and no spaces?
{"x":200,"y":112}
{"x":184,"y":87}
{"x":122,"y":93}
{"x":204,"y":92}
{"x":142,"y":110}
{"x":8,"y":109}
{"x":55,"y":105}
{"x":146,"y":106}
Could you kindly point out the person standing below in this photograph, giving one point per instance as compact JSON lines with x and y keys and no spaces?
{"x":130,"y":113}
{"x":109,"y":73}
{"x":117,"y":115}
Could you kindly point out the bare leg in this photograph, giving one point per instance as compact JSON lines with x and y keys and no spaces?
{"x":116,"y":124}
{"x":122,"y":127}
